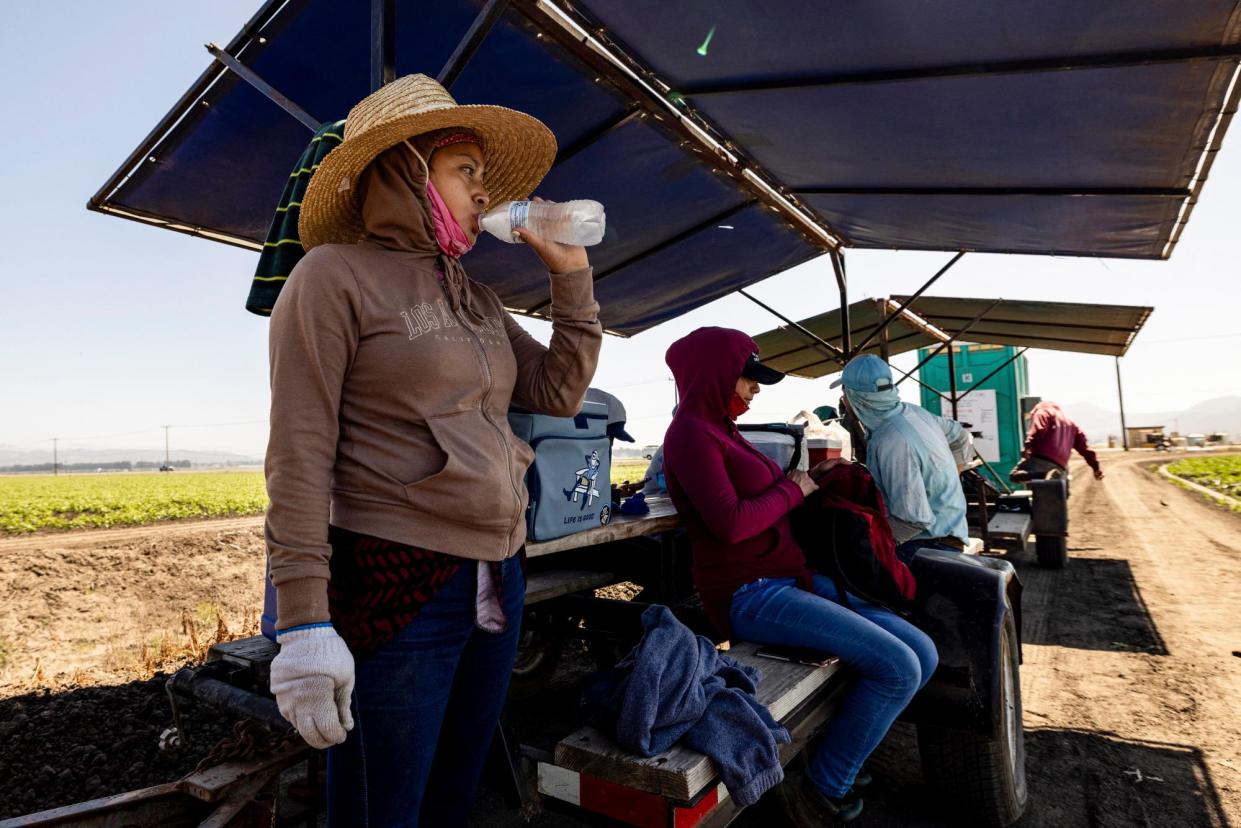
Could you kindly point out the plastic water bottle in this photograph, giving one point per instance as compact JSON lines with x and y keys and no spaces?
{"x":569,"y":222}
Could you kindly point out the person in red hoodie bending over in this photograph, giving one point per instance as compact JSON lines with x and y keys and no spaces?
{"x":752,"y":575}
{"x":1052,"y":438}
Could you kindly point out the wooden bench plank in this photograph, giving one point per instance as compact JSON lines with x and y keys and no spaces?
{"x":543,"y":586}
{"x":662,"y":518}
{"x":1010,"y":525}
{"x":681,"y":773}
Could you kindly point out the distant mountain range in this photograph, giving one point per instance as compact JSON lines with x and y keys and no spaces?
{"x":1220,"y":414}
{"x":10,"y":456}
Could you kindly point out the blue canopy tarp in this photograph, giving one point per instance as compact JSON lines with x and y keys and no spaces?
{"x":1053,"y":127}
{"x":1055,"y":326}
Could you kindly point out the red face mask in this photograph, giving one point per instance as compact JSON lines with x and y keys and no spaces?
{"x":737,"y":407}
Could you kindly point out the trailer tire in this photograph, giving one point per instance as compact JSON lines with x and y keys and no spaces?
{"x":538,"y":655}
{"x":983,"y":779}
{"x":1052,"y":551}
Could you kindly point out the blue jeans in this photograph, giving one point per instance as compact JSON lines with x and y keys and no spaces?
{"x":891,"y":659}
{"x":425,"y":709}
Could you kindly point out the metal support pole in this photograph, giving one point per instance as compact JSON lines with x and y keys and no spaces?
{"x":469,"y":44}
{"x":984,"y":515}
{"x":55,"y":456}
{"x":952,"y":376}
{"x":832,"y":351}
{"x":994,"y":473}
{"x":1120,"y":394}
{"x":251,"y":77}
{"x":915,"y":321}
{"x":940,"y":347}
{"x":892,"y":316}
{"x":167,"y":457}
{"x":934,"y":391}
{"x":938,"y":350}
{"x":838,"y":265}
{"x":885,"y":349}
{"x":383,"y":42}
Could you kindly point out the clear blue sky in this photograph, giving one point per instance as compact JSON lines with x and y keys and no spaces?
{"x":111,"y":328}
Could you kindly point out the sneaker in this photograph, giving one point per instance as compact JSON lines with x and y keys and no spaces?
{"x":806,"y":805}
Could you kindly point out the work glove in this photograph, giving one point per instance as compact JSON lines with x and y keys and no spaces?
{"x":312,"y":679}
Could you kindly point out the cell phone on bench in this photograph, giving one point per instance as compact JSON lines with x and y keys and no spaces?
{"x":797,"y":655}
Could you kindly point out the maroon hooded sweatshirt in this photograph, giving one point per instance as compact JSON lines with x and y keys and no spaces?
{"x":735,"y":502}
{"x":1053,"y":436}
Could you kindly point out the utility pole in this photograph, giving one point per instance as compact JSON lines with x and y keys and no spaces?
{"x":952,"y":377}
{"x":55,"y":456}
{"x":167,"y":459}
{"x":1120,"y":394}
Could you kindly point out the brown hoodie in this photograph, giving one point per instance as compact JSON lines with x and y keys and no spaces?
{"x":391,"y":376}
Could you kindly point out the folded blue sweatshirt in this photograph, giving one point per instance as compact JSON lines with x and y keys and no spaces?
{"x":675,"y":686}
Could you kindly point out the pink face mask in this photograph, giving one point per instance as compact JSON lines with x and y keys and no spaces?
{"x":448,"y":232}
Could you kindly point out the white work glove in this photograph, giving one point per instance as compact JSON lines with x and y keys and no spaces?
{"x":312,"y":679}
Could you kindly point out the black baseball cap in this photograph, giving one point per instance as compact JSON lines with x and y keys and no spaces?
{"x":760,"y":373}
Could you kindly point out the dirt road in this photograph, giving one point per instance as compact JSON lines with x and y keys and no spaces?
{"x":1132,"y":690}
{"x":1131,"y":687}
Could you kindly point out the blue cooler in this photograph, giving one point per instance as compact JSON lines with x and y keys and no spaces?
{"x":570,"y":481}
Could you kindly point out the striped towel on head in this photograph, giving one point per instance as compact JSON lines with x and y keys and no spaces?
{"x":283,"y":248}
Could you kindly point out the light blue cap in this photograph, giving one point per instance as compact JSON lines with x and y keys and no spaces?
{"x":865,"y":373}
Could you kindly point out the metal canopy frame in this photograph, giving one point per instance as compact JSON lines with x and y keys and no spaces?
{"x":652,"y":97}
{"x":1110,"y":60}
{"x":561,"y":25}
{"x":566,"y":26}
{"x":822,"y":344}
{"x":684,"y":93}
{"x":248,"y":39}
{"x":948,"y":340}
{"x":1055,"y":339}
{"x":590,"y":43}
{"x":474,"y":36}
{"x":883,"y":326}
{"x":251,"y":77}
{"x":383,"y":42}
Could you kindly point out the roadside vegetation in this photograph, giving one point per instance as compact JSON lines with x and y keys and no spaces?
{"x":1220,"y":474}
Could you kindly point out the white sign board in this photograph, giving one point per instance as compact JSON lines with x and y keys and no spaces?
{"x":978,"y":409}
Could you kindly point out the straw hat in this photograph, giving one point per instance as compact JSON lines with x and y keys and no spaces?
{"x":518,"y":151}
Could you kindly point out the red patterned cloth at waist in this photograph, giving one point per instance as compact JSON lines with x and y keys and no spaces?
{"x":378,"y":586}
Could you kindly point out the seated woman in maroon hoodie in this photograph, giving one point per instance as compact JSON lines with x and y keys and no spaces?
{"x":752,"y":575}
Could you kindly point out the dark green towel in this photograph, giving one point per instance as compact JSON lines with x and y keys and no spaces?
{"x":283,"y":248}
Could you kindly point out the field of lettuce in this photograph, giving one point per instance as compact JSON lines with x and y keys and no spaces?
{"x":1223,"y":474}
{"x":32,"y":503}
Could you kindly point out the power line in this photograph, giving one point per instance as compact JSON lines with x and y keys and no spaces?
{"x":147,"y":430}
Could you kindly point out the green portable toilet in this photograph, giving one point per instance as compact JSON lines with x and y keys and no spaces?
{"x":993,"y":409}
